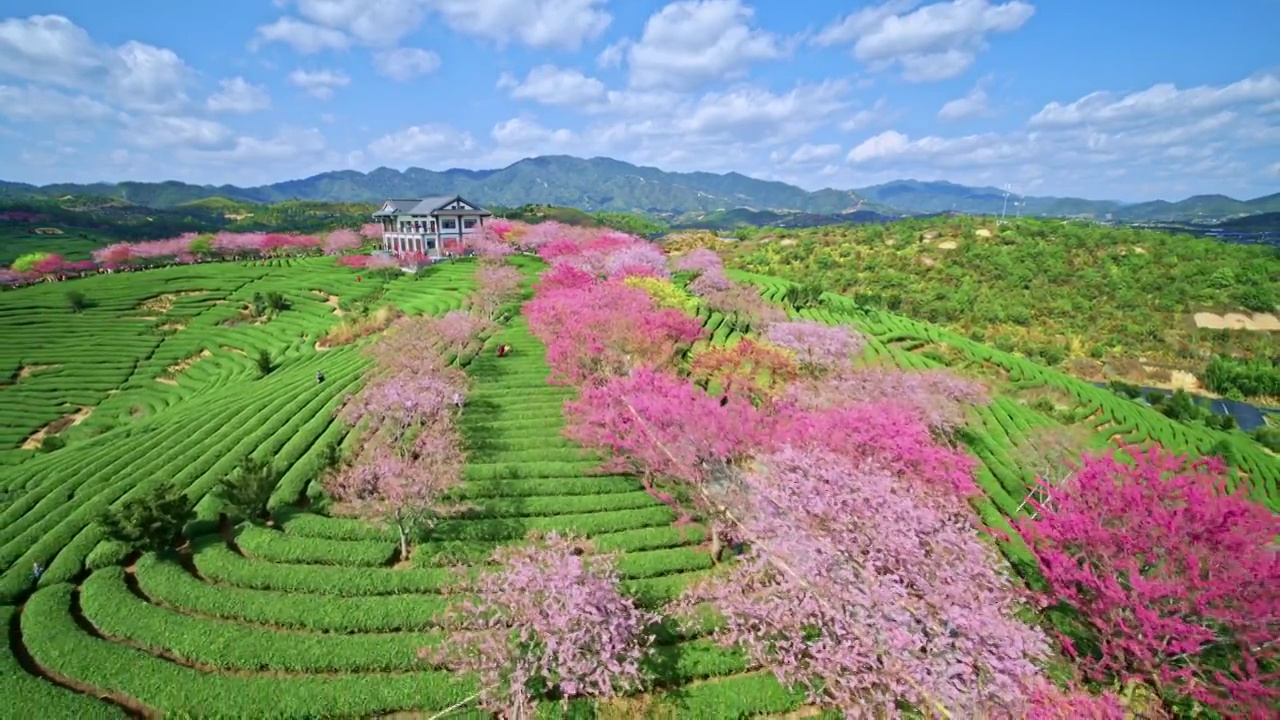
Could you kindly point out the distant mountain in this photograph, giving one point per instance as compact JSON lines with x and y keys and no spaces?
{"x":605,"y":184}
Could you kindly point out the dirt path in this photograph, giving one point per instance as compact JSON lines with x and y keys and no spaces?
{"x":35,"y":439}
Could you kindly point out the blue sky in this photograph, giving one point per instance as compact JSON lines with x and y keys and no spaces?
{"x":1121,"y":100}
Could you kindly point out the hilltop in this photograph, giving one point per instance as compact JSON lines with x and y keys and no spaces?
{"x":600,"y":183}
{"x":1100,"y":302}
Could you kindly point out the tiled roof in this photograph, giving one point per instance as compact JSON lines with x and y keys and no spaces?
{"x":423,"y":206}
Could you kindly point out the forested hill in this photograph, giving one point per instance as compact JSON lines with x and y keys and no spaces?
{"x":606,"y":184}
{"x":1100,"y":302}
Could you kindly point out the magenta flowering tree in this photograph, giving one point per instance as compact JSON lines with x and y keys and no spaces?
{"x":342,"y":241}
{"x":114,"y":254}
{"x":713,"y":281}
{"x":1174,"y":575}
{"x":658,"y":425}
{"x":550,"y":621}
{"x":563,"y":277}
{"x":606,"y":328}
{"x":371,"y":231}
{"x":867,"y":593}
{"x":885,"y":433}
{"x":50,"y":264}
{"x":496,"y":285}
{"x":821,"y":349}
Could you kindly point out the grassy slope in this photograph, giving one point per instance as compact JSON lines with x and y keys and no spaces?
{"x":1094,"y":300}
{"x":269,"y":628}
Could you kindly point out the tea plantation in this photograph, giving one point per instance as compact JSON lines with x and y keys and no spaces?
{"x":157,"y":379}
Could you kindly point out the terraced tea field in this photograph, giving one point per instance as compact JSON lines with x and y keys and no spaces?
{"x":311,"y":616}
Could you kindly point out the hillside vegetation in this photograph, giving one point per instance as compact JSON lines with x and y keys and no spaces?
{"x":217,"y":499}
{"x":1097,"y":301}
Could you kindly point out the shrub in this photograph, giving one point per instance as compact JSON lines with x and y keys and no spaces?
{"x":77,"y":301}
{"x":265,"y":363}
{"x":151,"y":521}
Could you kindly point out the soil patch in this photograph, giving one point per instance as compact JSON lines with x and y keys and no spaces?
{"x":164,"y":303}
{"x":28,"y":370}
{"x":1262,"y":322}
{"x":170,"y":376}
{"x":34,"y":440}
{"x":948,"y":245}
{"x":982,"y":232}
{"x":235,"y":350}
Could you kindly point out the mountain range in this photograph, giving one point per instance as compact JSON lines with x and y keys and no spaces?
{"x":597,"y":184}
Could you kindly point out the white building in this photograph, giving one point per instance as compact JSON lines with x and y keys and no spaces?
{"x":425,"y":225}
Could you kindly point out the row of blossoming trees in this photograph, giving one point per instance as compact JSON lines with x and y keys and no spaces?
{"x":185,"y":249}
{"x":864,"y":579}
{"x":410,"y":451}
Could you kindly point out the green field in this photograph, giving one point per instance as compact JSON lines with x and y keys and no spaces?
{"x":309,"y":618}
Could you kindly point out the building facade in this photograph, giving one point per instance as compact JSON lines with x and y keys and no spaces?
{"x":424,"y":225}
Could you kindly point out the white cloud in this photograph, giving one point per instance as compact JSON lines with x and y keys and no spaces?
{"x":1156,"y":102}
{"x":304,"y":37}
{"x":238,"y":96}
{"x":934,"y":42}
{"x":41,"y":104}
{"x":543,"y":24}
{"x":969,"y":150}
{"x":691,"y":42}
{"x":424,"y":143}
{"x":52,"y":49}
{"x":1274,"y":170}
{"x":550,"y":85}
{"x":406,"y":63}
{"x":374,"y":22}
{"x":165,"y":131}
{"x":864,"y":118}
{"x":527,"y":133}
{"x":290,"y":145}
{"x":319,"y":84}
{"x":971,"y":105}
{"x":807,"y":154}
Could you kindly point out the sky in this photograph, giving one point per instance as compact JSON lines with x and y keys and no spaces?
{"x":1104,"y":100}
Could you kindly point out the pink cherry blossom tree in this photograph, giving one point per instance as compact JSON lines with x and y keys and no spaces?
{"x":496,"y":285}
{"x":866,"y":592}
{"x":342,"y":241}
{"x":1173,"y":573}
{"x":821,"y":349}
{"x":700,"y":261}
{"x":549,"y":621}
{"x":939,"y":397}
{"x":398,"y":485}
{"x":606,"y":328}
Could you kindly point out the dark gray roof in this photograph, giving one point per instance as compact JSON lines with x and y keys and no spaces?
{"x":423,"y":206}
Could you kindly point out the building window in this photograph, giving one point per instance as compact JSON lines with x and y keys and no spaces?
{"x":431,"y":244}
{"x":469,"y":223}
{"x":449,"y":224}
